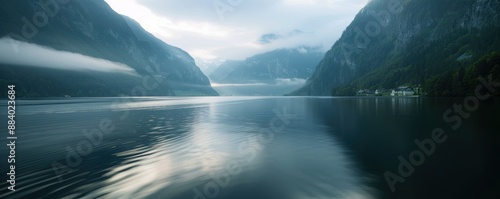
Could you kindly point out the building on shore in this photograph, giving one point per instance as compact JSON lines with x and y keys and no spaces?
{"x":403,"y":91}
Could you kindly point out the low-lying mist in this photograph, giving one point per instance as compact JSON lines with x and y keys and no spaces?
{"x":21,"y":53}
{"x":279,"y":87}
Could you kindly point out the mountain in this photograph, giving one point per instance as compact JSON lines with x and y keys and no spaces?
{"x":209,"y":65}
{"x":225,"y":69}
{"x":464,"y":82}
{"x":269,"y":67}
{"x":92,"y":29}
{"x":391,"y":43}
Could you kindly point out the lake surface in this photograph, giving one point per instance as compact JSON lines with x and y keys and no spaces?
{"x":252,"y":148}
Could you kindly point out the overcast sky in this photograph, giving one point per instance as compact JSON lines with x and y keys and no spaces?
{"x":236,"y":29}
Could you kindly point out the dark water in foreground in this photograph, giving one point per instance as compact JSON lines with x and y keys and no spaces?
{"x":251,"y":148}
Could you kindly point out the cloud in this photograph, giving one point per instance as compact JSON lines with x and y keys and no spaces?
{"x":302,"y":50}
{"x":269,"y":38}
{"x":233,"y":29}
{"x":21,"y":53}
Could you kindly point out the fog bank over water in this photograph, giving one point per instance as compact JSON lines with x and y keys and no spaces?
{"x":279,"y":88}
{"x":290,"y":81}
{"x":21,"y":53}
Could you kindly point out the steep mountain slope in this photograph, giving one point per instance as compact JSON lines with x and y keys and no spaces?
{"x":406,"y":42}
{"x":268,"y":67}
{"x":225,"y":69}
{"x":92,"y":28}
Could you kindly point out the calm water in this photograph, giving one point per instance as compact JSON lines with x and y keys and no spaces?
{"x":250,"y":148}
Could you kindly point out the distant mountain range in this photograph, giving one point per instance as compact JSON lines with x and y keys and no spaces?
{"x":270,"y":67}
{"x":92,"y":29}
{"x":392,"y":43}
{"x":209,"y":65}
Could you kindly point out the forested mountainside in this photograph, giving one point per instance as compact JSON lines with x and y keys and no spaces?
{"x":393,"y":43}
{"x":91,"y":28}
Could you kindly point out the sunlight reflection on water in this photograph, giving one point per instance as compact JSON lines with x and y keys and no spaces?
{"x":167,"y":147}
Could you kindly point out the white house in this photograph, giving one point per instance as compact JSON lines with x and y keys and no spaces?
{"x":403,"y":91}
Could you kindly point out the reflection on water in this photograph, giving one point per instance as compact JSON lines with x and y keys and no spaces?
{"x":204,"y":147}
{"x":377,"y":131}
